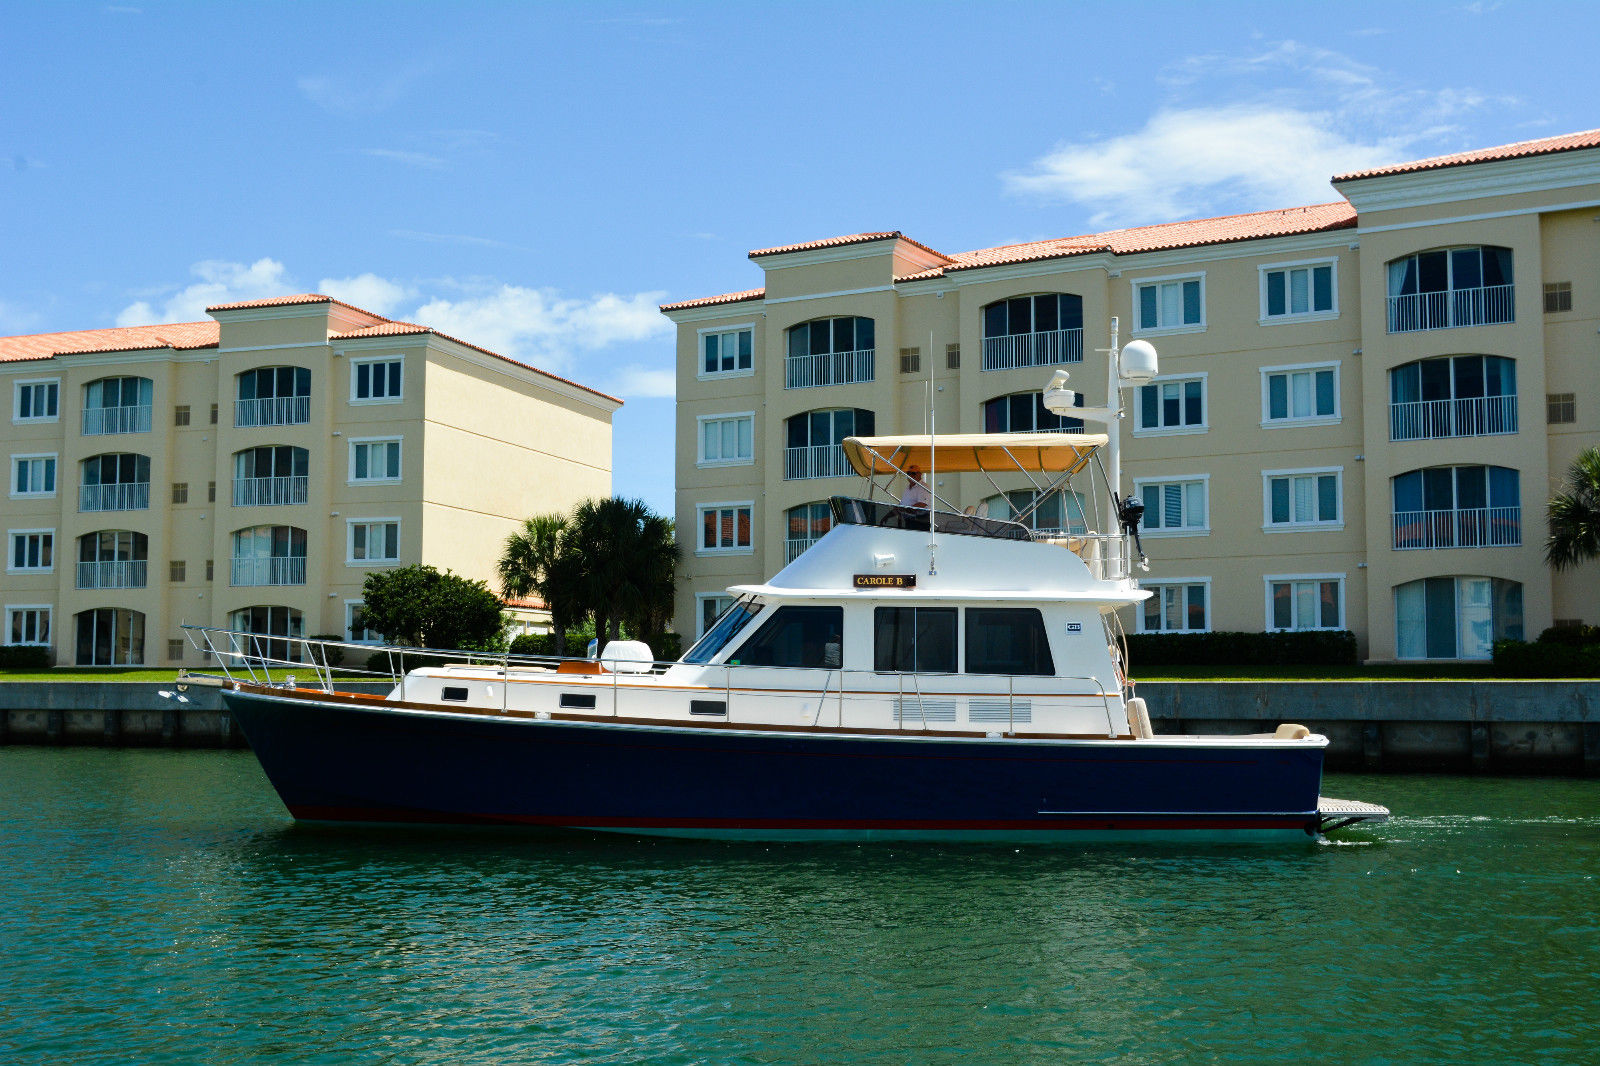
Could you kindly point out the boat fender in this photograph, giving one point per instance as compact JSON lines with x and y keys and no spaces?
{"x":1139,"y":719}
{"x":1289,"y":731}
{"x":627,"y":657}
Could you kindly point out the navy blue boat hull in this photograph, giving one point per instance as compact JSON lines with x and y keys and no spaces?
{"x":338,"y":762}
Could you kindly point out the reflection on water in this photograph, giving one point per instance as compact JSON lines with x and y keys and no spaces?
{"x":162,"y":908}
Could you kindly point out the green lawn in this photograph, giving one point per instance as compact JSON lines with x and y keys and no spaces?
{"x":1403,"y":672}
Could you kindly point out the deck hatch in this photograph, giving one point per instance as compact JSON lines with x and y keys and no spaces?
{"x":454,"y":693}
{"x":708,"y":707}
{"x":577,"y":701}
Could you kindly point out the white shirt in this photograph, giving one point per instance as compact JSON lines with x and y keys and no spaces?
{"x":916,"y":495}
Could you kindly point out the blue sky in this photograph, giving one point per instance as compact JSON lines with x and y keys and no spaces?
{"x":536,"y":178}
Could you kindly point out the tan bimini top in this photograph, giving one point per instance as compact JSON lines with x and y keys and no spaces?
{"x":965,"y":453}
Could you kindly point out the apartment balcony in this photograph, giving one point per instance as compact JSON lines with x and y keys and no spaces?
{"x":268,"y":570}
{"x":1476,"y":527}
{"x":830,"y":368}
{"x":98,"y":421}
{"x":821,"y":460}
{"x":794,"y":547}
{"x":272,"y":411}
{"x":1478,"y":416}
{"x":133,"y":496}
{"x":1033,"y":349}
{"x":270,"y":491}
{"x":1483,"y":306}
{"x":125,"y":574}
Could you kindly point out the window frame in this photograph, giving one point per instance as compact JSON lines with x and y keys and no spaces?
{"x":55,"y":475}
{"x":11,"y":550}
{"x":1268,"y":580}
{"x":16,"y":401}
{"x":700,"y":601}
{"x":1288,"y":317}
{"x":13,"y":609}
{"x":350,"y":608}
{"x":1139,"y":329}
{"x":396,"y":439}
{"x":700,"y":439}
{"x":1268,"y":476}
{"x":736,"y":505}
{"x":350,"y":542}
{"x":1174,"y":582}
{"x":702,"y":374}
{"x":1202,"y":530}
{"x":357,"y":362}
{"x":1137,"y":402}
{"x":1288,"y":370}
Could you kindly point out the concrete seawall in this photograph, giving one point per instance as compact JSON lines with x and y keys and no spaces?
{"x":1453,"y":726}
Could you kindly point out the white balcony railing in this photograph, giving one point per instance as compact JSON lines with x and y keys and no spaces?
{"x":268,"y":570}
{"x":794,"y":547}
{"x":1033,"y":349}
{"x":819,"y":460}
{"x":101,"y":420}
{"x":270,"y":491}
{"x":125,"y":574}
{"x":1474,"y":527}
{"x":1477,"y":416}
{"x":272,"y":411}
{"x":1483,"y":306}
{"x":831,"y":368}
{"x":133,"y":496}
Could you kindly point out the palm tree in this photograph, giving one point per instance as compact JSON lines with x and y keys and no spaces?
{"x":1574,"y":514}
{"x":630,"y":565}
{"x":541,"y":559}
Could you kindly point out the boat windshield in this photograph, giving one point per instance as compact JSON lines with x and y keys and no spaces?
{"x":723,"y":630}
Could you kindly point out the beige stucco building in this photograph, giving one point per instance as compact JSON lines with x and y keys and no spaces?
{"x":1362,"y":405}
{"x":250,"y":470}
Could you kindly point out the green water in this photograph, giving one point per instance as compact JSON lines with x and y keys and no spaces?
{"x":160,"y":908}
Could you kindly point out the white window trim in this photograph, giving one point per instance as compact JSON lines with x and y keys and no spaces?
{"x":1304,"y":316}
{"x":350,"y":525}
{"x":1269,"y":526}
{"x":1268,"y":422}
{"x":699,"y":527}
{"x":1175,"y":431}
{"x":11,"y":473}
{"x":348,"y":604}
{"x":11,"y":534}
{"x":1187,"y":531}
{"x":1267,"y":583}
{"x":370,"y":360}
{"x":700,"y":599}
{"x":351,"y":479}
{"x":1152,"y":585}
{"x":700,"y":353}
{"x":16,"y":401}
{"x":10,"y":608}
{"x":700,"y":439}
{"x":1167,"y":331}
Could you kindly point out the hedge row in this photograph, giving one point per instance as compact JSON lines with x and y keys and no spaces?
{"x":26,"y":657}
{"x":1518,"y":658}
{"x":1320,"y":648}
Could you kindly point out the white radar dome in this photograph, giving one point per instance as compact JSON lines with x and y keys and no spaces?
{"x":1138,"y":362}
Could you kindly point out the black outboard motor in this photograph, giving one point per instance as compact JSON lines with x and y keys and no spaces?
{"x":1130,"y":512}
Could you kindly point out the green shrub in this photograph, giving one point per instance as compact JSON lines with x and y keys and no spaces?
{"x":26,"y":657}
{"x":1571,"y":636}
{"x":1518,"y":658}
{"x":1318,"y":648}
{"x":334,"y":655}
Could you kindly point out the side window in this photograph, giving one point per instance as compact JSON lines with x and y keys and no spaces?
{"x":1008,"y":640}
{"x":809,"y":637}
{"x":922,"y":639}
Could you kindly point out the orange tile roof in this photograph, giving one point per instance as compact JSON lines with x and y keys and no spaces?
{"x":840,"y":242}
{"x":178,"y":336}
{"x":288,"y":301}
{"x":1567,"y":142}
{"x":725,"y":298}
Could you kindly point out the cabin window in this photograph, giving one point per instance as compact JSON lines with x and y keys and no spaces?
{"x":730,"y":625}
{"x":454,"y":693}
{"x":578,"y":701}
{"x":805,"y":637}
{"x":922,"y":639}
{"x":1008,"y":640}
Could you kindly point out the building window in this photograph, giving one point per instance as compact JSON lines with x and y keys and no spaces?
{"x":914,"y":640}
{"x":116,"y":481}
{"x":275,"y":632}
{"x":1557,"y":296}
{"x":813,"y":440}
{"x":1174,"y":506}
{"x":110,"y":636}
{"x":28,"y":623}
{"x":175,"y":650}
{"x":1453,"y":396}
{"x":269,"y":555}
{"x":1170,"y":304}
{"x":213,"y":414}
{"x":180,"y":492}
{"x":1025,"y":412}
{"x":1171,"y":405}
{"x":1300,"y":395}
{"x":31,"y":551}
{"x":725,"y":527}
{"x":727,"y":352}
{"x":830,"y":351}
{"x":709,"y":608}
{"x":113,"y":559}
{"x":1305,"y":601}
{"x":1058,"y":511}
{"x":1180,"y":605}
{"x":1458,"y":507}
{"x":36,"y":401}
{"x":271,"y":476}
{"x":1451,"y":287}
{"x":177,"y":571}
{"x":117,"y":405}
{"x":806,"y":525}
{"x":374,"y":540}
{"x":1298,"y":291}
{"x":1041,"y":330}
{"x":33,"y":475}
{"x":910,"y":360}
{"x":1561,"y":408}
{"x":374,"y":459}
{"x":1455,"y":617}
{"x":1302,"y":499}
{"x":377,"y":380}
{"x":180,"y":417}
{"x":355,"y":624}
{"x":273,"y":396}
{"x":727,"y":440}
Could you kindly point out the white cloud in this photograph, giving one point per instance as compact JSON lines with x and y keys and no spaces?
{"x":542,"y":327}
{"x":366,"y":291}
{"x":220,"y":282}
{"x":642,"y":383}
{"x":350,"y":96}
